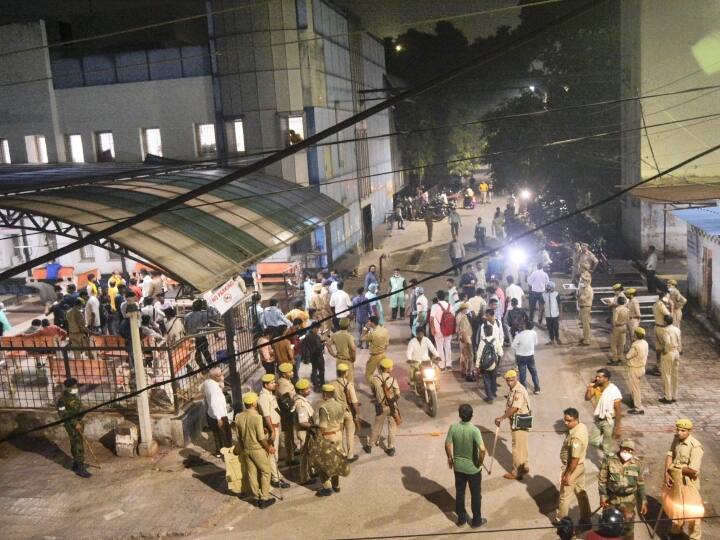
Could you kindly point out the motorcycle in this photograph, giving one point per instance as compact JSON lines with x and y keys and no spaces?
{"x":436,"y":209}
{"x":468,"y":203}
{"x":598,"y":248}
{"x":425,"y":384}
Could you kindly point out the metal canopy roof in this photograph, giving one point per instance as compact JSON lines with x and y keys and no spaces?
{"x":706,"y":219}
{"x":202,"y":242}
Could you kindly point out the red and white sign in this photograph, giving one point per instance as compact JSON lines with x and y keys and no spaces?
{"x":224,"y":297}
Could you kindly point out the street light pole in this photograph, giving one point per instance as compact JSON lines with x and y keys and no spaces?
{"x":148,"y":446}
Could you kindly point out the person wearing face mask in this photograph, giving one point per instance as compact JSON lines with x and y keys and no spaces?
{"x":622,"y":485}
{"x":682,"y":469}
{"x":68,"y":405}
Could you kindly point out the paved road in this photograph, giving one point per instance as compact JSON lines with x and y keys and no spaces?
{"x":181,"y":492}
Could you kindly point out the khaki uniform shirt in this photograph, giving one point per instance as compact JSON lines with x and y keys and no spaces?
{"x":268,"y":405}
{"x":379,"y":339}
{"x":678,"y":300}
{"x":284,"y":386}
{"x":687,"y":453}
{"x":585,"y":295}
{"x":575,"y":445}
{"x":390,"y":383}
{"x":638,"y":354}
{"x":518,"y":399}
{"x":614,"y":301}
{"x":633,"y":307}
{"x":303,"y":410}
{"x":283,"y":350}
{"x":586,"y":261}
{"x":621,"y":316}
{"x":670,"y":339}
{"x":76,"y":321}
{"x":344,"y":344}
{"x":345,"y":392}
{"x":330,"y":416}
{"x":250,"y":430}
{"x":299,"y":314}
{"x":659,"y":312}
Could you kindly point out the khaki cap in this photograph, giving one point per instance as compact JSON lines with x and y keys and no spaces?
{"x":268,"y":377}
{"x":510,"y":374}
{"x":285,"y":367}
{"x":344,"y":323}
{"x":342,"y":368}
{"x":627,"y":443}
{"x":250,"y":398}
{"x":302,"y":384}
{"x":684,"y":423}
{"x":640,"y":332}
{"x":328,"y":388}
{"x":672,"y":282}
{"x":386,"y":363}
{"x":631,"y":291}
{"x":617,"y":287}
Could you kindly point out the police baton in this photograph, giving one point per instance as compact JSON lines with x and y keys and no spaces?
{"x":492,"y":455}
{"x":87,"y":443}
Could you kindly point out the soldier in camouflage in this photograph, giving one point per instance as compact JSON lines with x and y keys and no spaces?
{"x":68,"y":405}
{"x":622,"y":485}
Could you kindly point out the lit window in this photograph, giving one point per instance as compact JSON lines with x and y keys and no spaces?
{"x":152,"y":142}
{"x":75,"y":148}
{"x":206,"y":139}
{"x":105,"y":146}
{"x":36,"y":149}
{"x":295,"y":123}
{"x":239,"y":136}
{"x":4,"y":152}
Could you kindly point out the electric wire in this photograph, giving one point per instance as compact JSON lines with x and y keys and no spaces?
{"x":434,"y":275}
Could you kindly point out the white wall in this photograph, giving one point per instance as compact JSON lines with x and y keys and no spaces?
{"x":696,"y":244}
{"x":173,"y":105}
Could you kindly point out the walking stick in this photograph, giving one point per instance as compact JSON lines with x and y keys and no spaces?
{"x":492,"y":455}
{"x":657,"y":522}
{"x":87,"y":443}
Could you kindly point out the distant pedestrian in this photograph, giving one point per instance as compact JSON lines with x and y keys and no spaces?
{"x":455,"y":221}
{"x":650,"y":270}
{"x":468,"y":282}
{"x":457,"y":254}
{"x":551,"y":310}
{"x":216,"y":412}
{"x":498,"y":224}
{"x":68,"y":406}
{"x":361,"y":312}
{"x":428,"y":224}
{"x":489,"y":352}
{"x":371,"y":277}
{"x":523,"y":346}
{"x":399,"y":218}
{"x":479,"y":234}
{"x":670,"y":344}
{"x":516,"y":318}
{"x":636,"y":361}
{"x":465,"y":453}
{"x":538,"y":282}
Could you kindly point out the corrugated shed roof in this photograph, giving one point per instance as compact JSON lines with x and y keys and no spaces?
{"x":706,"y":219}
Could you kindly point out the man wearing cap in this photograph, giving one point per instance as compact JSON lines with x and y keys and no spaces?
{"x":669,"y":344}
{"x":464,"y":331}
{"x":269,"y":410}
{"x":341,"y":346}
{"x":577,"y":251}
{"x":285,"y":394}
{"x":622,"y":485}
{"x":345,"y":395}
{"x":329,"y":418}
{"x":587,"y":261}
{"x":378,"y":338}
{"x":620,"y":319}
{"x":585,"y":299}
{"x":572,"y":456}
{"x":68,"y":405}
{"x":682,"y":468}
{"x":677,"y":301}
{"x":255,"y":450}
{"x":386,"y":393}
{"x":303,"y":422}
{"x":518,"y":402}
{"x":636,"y":362}
{"x":608,"y":410}
{"x":660,"y":311}
{"x":633,"y":306}
{"x":320,"y":301}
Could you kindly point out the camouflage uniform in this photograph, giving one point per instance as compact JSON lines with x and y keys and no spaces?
{"x":623,"y":486}
{"x":68,"y":405}
{"x":330,"y":458}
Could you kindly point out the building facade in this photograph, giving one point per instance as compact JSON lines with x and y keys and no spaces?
{"x":668,"y":48}
{"x":266,"y":69}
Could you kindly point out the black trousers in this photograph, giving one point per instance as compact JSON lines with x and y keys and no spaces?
{"x":553,"y":326}
{"x":535,"y":299}
{"x":223,"y":435}
{"x":317,"y":376}
{"x":461,"y":481}
{"x":651,"y":281}
{"x":269,"y":367}
{"x":202,"y":351}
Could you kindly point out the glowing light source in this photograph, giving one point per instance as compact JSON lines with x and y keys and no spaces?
{"x":517,"y":256}
{"x":532,"y":88}
{"x":525,"y":194}
{"x":399,"y":47}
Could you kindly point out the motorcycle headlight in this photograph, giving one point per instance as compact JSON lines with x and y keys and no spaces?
{"x":428,"y":373}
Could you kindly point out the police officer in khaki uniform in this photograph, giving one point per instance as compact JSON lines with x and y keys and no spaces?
{"x":386,"y":393}
{"x":682,"y":467}
{"x":269,"y":410}
{"x":587,"y":261}
{"x":254,"y":450}
{"x":572,"y":456}
{"x":285,"y":386}
{"x":622,"y":485}
{"x":620,"y":319}
{"x":518,"y":402}
{"x":378,"y":338}
{"x":329,"y":418}
{"x":633,"y":306}
{"x":660,"y":310}
{"x":669,"y":344}
{"x":677,"y":301}
{"x":345,"y":394}
{"x":303,"y":422}
{"x":636,"y":362}
{"x":585,"y":299}
{"x":341,"y":346}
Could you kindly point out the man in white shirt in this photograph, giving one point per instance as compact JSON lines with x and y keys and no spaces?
{"x":421,"y":310}
{"x":340,"y":303}
{"x":538,"y":281}
{"x":524,"y":348}
{"x":513,"y":290}
{"x":442,"y":342}
{"x":92,"y":313}
{"x":216,"y":409}
{"x":480,"y":278}
{"x":551,"y":310}
{"x":650,"y":269}
{"x":146,"y":284}
{"x":420,"y":349}
{"x":477,"y":303}
{"x":608,"y":410}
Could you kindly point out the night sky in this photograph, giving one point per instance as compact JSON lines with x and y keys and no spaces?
{"x":388,"y":17}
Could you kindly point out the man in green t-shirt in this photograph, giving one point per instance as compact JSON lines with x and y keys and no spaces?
{"x":465,"y":452}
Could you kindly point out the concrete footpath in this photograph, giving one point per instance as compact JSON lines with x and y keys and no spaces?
{"x":182,"y":492}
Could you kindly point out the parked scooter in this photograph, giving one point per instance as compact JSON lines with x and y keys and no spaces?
{"x":425,"y":383}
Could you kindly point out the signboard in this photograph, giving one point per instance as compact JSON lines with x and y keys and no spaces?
{"x":224,"y":297}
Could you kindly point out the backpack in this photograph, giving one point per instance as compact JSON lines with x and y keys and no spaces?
{"x":447,"y":322}
{"x":488,"y":357}
{"x":286,"y":405}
